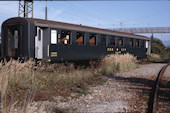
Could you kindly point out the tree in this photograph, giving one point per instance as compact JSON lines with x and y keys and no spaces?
{"x":159,"y":48}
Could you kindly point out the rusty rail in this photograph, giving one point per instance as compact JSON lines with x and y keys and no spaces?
{"x":154,"y":104}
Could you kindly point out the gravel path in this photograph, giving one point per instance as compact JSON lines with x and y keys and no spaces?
{"x":123,"y":92}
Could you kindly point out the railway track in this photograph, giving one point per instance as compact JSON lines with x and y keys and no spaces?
{"x":154,"y":98}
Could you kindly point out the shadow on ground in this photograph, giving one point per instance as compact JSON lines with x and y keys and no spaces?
{"x":147,"y":87}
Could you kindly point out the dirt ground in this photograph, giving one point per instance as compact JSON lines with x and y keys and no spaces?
{"x":123,"y":92}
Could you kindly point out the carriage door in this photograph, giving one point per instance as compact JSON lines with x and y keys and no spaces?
{"x":39,"y":44}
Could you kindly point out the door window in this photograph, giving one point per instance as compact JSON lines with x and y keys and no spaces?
{"x":147,"y":44}
{"x":39,"y":34}
{"x":16,"y":39}
{"x":53,"y":36}
{"x":39,"y":44}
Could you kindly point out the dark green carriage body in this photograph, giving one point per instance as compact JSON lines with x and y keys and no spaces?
{"x":27,"y":44}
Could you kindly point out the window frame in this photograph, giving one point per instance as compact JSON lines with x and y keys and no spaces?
{"x":56,"y":35}
{"x":147,"y":44}
{"x":143,"y":44}
{"x":121,"y":38}
{"x":82,"y":34}
{"x":66,"y":32}
{"x":131,"y":39}
{"x":137,"y":40}
{"x":103,"y":44}
{"x":114,"y":37}
{"x":39,"y":35}
{"x":91,"y":35}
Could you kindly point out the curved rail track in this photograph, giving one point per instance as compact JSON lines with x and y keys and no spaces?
{"x":152,"y":107}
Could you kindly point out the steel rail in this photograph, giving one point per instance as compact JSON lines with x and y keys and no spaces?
{"x":154,"y":104}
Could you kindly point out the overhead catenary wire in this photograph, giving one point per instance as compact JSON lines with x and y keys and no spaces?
{"x":93,"y":16}
{"x":75,"y":15}
{"x":81,"y":13}
{"x":153,"y":14}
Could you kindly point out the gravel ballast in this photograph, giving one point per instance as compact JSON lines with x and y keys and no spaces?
{"x":123,"y":92}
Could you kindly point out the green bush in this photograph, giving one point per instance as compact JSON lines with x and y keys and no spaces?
{"x":157,"y":47}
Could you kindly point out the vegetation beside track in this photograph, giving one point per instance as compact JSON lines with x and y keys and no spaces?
{"x":159,"y":51}
{"x":22,"y":83}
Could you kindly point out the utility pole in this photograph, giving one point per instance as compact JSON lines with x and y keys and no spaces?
{"x":25,"y":8}
{"x":46,"y":11}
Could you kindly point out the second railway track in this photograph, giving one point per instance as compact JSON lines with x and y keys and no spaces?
{"x":160,"y":91}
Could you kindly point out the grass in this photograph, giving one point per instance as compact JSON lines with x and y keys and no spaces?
{"x":155,"y":58}
{"x":31,"y":82}
{"x":118,"y":63}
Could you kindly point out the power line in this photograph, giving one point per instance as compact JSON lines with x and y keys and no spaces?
{"x":157,"y":13}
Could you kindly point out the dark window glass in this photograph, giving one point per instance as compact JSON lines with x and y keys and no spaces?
{"x":92,"y":40}
{"x":143,"y":43}
{"x":65,"y":37}
{"x":112,"y":41}
{"x":120,"y":42}
{"x":103,"y":40}
{"x":35,"y":31}
{"x":131,"y":43}
{"x":137,"y":43}
{"x":80,"y":38}
{"x":39,"y":33}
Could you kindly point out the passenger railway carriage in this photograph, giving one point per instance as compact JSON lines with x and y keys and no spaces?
{"x":56,"y":41}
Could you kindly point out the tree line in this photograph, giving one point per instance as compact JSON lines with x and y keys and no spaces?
{"x":157,"y":47}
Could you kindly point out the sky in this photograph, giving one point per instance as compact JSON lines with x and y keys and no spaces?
{"x":101,"y":14}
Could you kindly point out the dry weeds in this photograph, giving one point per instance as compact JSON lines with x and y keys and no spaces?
{"x":155,"y":58}
{"x":17,"y":80}
{"x":118,"y":63}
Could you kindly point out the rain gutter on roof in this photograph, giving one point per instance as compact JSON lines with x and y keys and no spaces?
{"x":41,"y":25}
{"x":68,"y":26}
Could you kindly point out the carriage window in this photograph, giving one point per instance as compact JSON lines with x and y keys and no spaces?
{"x":137,"y":43}
{"x":35,"y":30}
{"x":65,"y":37}
{"x":131,"y":43}
{"x":112,"y":41}
{"x":147,"y":44}
{"x":53,"y":36}
{"x":80,"y":38}
{"x":39,"y":34}
{"x":15,"y":39}
{"x":143,"y":43}
{"x":120,"y":42}
{"x":103,"y":40}
{"x":92,"y":40}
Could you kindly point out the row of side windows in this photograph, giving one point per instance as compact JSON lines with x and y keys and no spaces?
{"x":137,"y":44}
{"x":80,"y":39}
